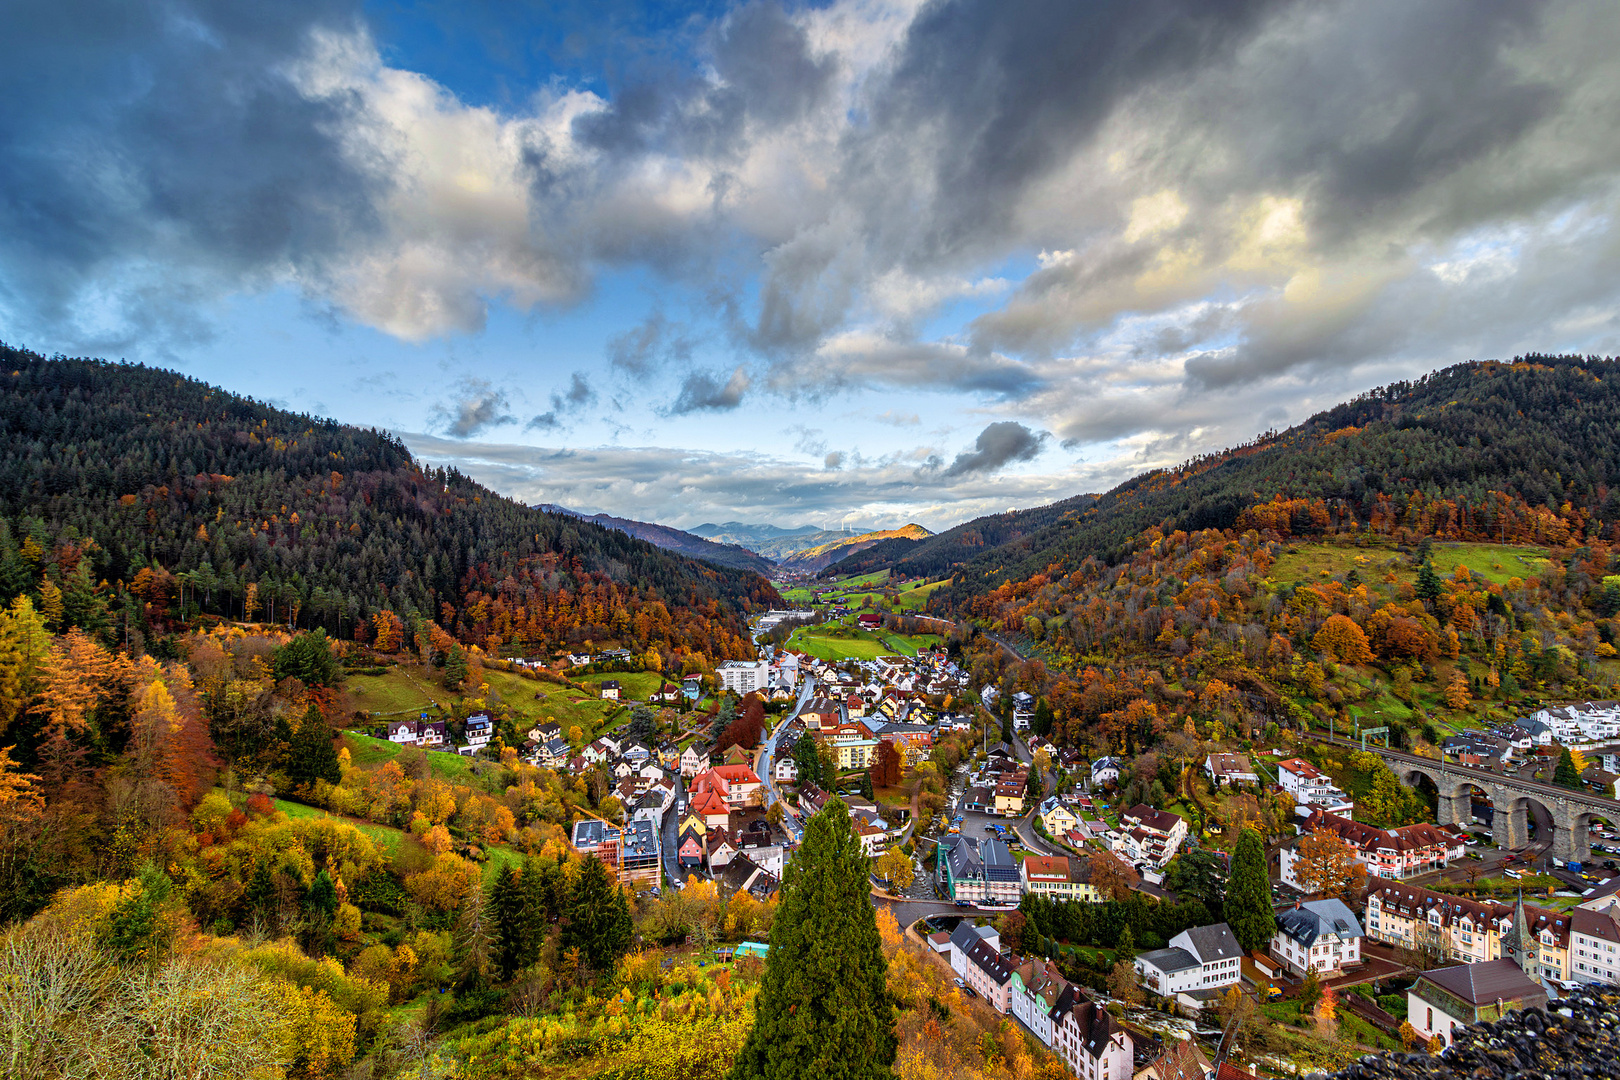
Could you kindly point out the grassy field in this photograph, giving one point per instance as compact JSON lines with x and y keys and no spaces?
{"x":563,"y":704}
{"x":1494,"y":562}
{"x":916,"y":597}
{"x":633,"y":686}
{"x":396,"y":692}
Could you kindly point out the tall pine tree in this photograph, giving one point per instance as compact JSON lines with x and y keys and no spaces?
{"x":311,"y":755}
{"x":519,"y":904}
{"x":598,"y":917}
{"x":1248,"y":893}
{"x":823,"y":1008}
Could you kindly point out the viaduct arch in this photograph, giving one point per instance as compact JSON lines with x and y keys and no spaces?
{"x":1571,"y":811}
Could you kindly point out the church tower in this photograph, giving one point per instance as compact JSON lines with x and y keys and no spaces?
{"x":1520,"y":945}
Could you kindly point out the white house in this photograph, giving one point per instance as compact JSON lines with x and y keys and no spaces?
{"x":1311,"y":786}
{"x":1149,"y":836}
{"x":786,"y":770}
{"x":478,"y":731}
{"x":694,"y":761}
{"x":1093,"y":1044}
{"x":1320,"y":934}
{"x":1594,"y":942}
{"x":1199,"y":958}
{"x":1104,"y":771}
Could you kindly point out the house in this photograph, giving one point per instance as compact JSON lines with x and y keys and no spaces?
{"x":983,"y":870}
{"x":402,"y":732}
{"x":694,"y":760}
{"x":737,"y":784}
{"x":546,"y":731}
{"x":1320,"y":934}
{"x":596,"y":753}
{"x":1032,"y":993}
{"x":744,"y":875}
{"x":477,"y":732}
{"x":1311,"y":786}
{"x":1093,"y":1043}
{"x":1059,"y":877}
{"x":1023,"y":711}
{"x":1056,"y":818}
{"x":1150,"y":836}
{"x":1105,"y":771}
{"x":964,"y":938}
{"x":718,"y":849}
{"x":692,"y":687}
{"x":1198,"y":958}
{"x":554,"y":754}
{"x":786,"y":770}
{"x":431,"y":733}
{"x":990,"y":974}
{"x":871,"y":621}
{"x":821,"y":712}
{"x":1009,"y":794}
{"x":1594,"y":941}
{"x":639,"y":851}
{"x":1230,"y":769}
{"x":1442,"y":1001}
{"x":1387,"y":853}
{"x":1476,"y":748}
{"x":610,"y":689}
{"x":1183,"y":1060}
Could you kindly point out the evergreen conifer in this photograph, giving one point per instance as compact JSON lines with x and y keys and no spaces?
{"x":310,"y":754}
{"x":598,"y":917}
{"x":1248,"y":893}
{"x":823,"y":1008}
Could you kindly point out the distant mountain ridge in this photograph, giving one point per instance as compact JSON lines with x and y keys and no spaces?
{"x":824,"y":555}
{"x":772,"y":541}
{"x":673,"y":539}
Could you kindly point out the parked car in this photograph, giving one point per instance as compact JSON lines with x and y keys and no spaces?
{"x":960,"y":982}
{"x":969,"y":991}
{"x":964,"y":903}
{"x":1512,"y":874}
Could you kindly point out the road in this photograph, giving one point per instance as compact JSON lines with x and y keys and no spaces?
{"x":671,"y":840}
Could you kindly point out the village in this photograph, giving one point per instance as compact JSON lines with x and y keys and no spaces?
{"x":984,"y":833}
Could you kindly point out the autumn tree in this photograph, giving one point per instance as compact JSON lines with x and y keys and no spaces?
{"x":1327,"y":866}
{"x":1111,"y":876}
{"x":886,"y":769}
{"x":1124,"y":984}
{"x":1342,"y":639}
{"x":894,"y":866}
{"x":823,"y":1010}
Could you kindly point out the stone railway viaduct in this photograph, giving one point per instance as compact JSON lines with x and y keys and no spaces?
{"x":1572,"y":812}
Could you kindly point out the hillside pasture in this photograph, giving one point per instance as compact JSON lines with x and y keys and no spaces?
{"x":397,"y":693}
{"x":1309,"y":562}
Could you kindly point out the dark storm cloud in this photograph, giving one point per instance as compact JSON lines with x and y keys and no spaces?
{"x":999,"y":444}
{"x":767,"y":75}
{"x":1012,"y":87}
{"x":167,"y":133}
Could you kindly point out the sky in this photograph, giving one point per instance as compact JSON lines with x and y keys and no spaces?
{"x":853,"y":263}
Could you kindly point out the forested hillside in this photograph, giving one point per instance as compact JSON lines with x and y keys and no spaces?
{"x":140,"y":497}
{"x":1527,"y":451}
{"x":935,"y":555}
{"x":1430,"y":557}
